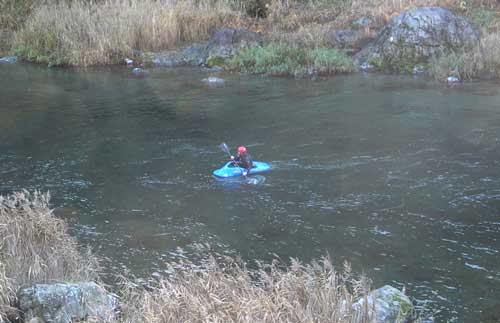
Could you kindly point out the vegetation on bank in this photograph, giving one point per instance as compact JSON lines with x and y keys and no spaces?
{"x":83,"y":33}
{"x":94,"y":32}
{"x":281,"y":59}
{"x":35,"y":247}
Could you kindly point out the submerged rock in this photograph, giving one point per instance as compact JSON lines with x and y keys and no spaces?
{"x":415,"y":36}
{"x":65,"y":303}
{"x":386,"y":305}
{"x":141,"y":72}
{"x":8,"y":59}
{"x":225,"y":43}
{"x":213,"y":80}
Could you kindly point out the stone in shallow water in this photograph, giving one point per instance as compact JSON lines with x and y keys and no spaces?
{"x":213,"y":80}
{"x":8,"y":59}
{"x":65,"y":303}
{"x":140,"y":72}
{"x":452,"y":79}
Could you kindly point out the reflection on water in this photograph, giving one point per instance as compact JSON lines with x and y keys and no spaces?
{"x":395,"y":174}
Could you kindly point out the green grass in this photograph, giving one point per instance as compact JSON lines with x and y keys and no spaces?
{"x":280,"y":59}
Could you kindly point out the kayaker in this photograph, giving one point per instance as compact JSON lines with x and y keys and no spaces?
{"x":243,"y":159}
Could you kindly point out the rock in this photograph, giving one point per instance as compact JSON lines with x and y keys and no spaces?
{"x":351,"y":39}
{"x":140,"y":72}
{"x":419,"y":69}
{"x":386,"y":305}
{"x":365,"y":22}
{"x":452,"y":79}
{"x":212,"y":80}
{"x":64,"y":303}
{"x":8,"y":59}
{"x":225,"y":43}
{"x":366,"y":67}
{"x":415,"y":36}
{"x":128,"y":61}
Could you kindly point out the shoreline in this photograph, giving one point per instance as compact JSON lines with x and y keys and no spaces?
{"x":295,"y":39}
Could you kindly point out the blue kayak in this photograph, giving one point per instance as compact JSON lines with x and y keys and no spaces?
{"x":231,"y":170}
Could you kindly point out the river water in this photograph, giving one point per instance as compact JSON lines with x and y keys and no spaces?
{"x":398,"y":175}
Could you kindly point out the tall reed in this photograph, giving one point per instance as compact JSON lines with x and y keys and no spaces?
{"x":233,"y":293}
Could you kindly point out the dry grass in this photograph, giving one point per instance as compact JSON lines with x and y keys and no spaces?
{"x":482,"y":62}
{"x":6,"y":37}
{"x":35,"y":247}
{"x":233,"y":293}
{"x":104,"y":33}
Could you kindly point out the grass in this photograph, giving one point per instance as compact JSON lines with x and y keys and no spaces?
{"x":281,"y":59}
{"x":482,"y":62}
{"x":35,"y":247}
{"x":83,"y":34}
{"x":233,"y":293}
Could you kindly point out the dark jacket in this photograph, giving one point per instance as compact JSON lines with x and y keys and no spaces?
{"x":244,"y":161}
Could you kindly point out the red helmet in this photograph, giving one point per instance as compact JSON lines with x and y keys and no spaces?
{"x":242,"y":150}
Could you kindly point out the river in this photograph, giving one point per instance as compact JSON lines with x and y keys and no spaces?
{"x":395,"y":174}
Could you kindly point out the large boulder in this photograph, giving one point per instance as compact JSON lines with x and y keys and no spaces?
{"x":225,"y":43}
{"x":415,"y":36}
{"x":66,"y":303}
{"x":385,"y":305}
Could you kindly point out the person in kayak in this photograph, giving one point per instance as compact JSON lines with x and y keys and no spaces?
{"x":243,"y":159}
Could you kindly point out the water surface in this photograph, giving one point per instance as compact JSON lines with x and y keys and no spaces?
{"x":398,"y":175}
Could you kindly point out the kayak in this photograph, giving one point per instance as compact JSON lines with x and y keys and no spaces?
{"x":231,"y":170}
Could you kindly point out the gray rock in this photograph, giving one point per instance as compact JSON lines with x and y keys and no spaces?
{"x":8,"y":59}
{"x":129,"y":61}
{"x":365,"y":22}
{"x":385,"y":305}
{"x":140,"y":72}
{"x":415,"y":36}
{"x":64,"y":303}
{"x":419,"y":69}
{"x":351,"y":39}
{"x":366,"y":67}
{"x":232,"y":36}
{"x":225,"y":43}
{"x":213,"y":80}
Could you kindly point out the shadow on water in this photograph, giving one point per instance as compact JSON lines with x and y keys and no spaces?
{"x":398,"y":175}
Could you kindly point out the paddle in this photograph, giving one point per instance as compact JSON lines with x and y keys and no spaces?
{"x":225,"y":148}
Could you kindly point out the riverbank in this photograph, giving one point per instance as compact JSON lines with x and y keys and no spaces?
{"x":37,"y":252}
{"x":79,"y":34}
